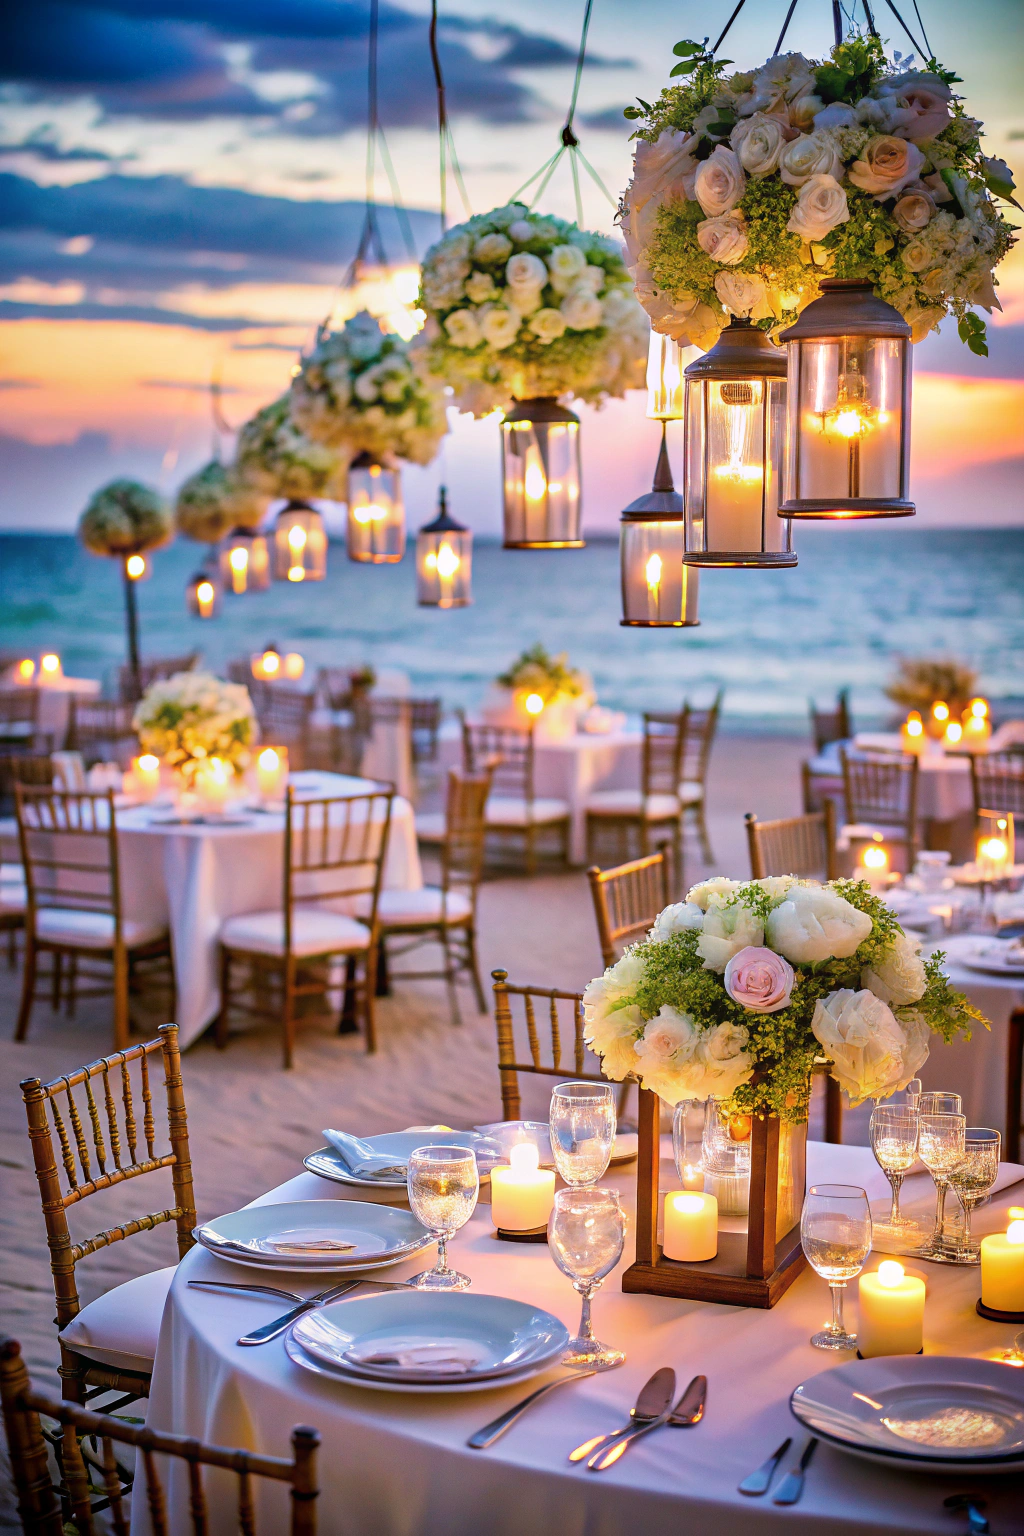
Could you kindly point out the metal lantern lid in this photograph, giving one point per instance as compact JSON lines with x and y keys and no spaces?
{"x":847,"y":307}
{"x":742,"y":350}
{"x":443,"y":522}
{"x":365,"y":460}
{"x":662,"y":503}
{"x":543,"y":408}
{"x":296,"y":504}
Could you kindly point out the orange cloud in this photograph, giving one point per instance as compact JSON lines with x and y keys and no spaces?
{"x":958,"y":422}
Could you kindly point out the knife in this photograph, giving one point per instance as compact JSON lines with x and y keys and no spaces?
{"x":688,"y":1410}
{"x":760,"y":1481}
{"x":792,"y":1485}
{"x":482,"y":1438}
{"x":271,"y":1330}
{"x":653,"y":1400}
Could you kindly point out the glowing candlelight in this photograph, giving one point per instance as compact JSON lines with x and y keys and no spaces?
{"x":145,"y":774}
{"x":212,"y":783}
{"x":272,"y":772}
{"x":523,"y":1194}
{"x":891,"y":1312}
{"x":135,"y":567}
{"x":26,"y":670}
{"x":293,"y":666}
{"x":691,"y":1226}
{"x":533,"y":704}
{"x":1002,"y":1269}
{"x":49,"y":667}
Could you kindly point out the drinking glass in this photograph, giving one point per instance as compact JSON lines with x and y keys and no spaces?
{"x":893,"y":1130}
{"x":586,"y":1230}
{"x":939,"y":1104}
{"x":688,"y":1142}
{"x":443,"y":1186}
{"x":940,"y":1146}
{"x":971,"y":1180}
{"x":835,"y":1233}
{"x":582,"y":1125}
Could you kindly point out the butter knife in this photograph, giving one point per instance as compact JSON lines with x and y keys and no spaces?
{"x":760,"y":1481}
{"x":792,"y":1485}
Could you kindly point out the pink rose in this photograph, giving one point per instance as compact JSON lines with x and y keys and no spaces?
{"x":759,"y":979}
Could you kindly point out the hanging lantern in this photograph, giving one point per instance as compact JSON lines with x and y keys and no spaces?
{"x":735,"y":442}
{"x":376,"y":515}
{"x":266,"y":664}
{"x":444,"y":557}
{"x":245,"y":561}
{"x":665,"y":379}
{"x":849,"y":407}
{"x":540,"y":461}
{"x":300,"y":543}
{"x":202,"y":595}
{"x":658,"y":590}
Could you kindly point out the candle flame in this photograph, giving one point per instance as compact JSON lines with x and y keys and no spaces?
{"x":447,"y":562}
{"x":50,"y":663}
{"x":689,"y":1204}
{"x":369,"y":512}
{"x":271,"y":662}
{"x":954,"y":731}
{"x":915,"y":725}
{"x":874,"y":857}
{"x":297,"y":539}
{"x":269,"y":760}
{"x":148,"y":763}
{"x":26,"y":670}
{"x":135,"y":565}
{"x":940,"y":711}
{"x":979,"y":708}
{"x":994,"y":848}
{"x":1015,"y":1234}
{"x":238,"y":559}
{"x":296,"y":573}
{"x":652,"y":571}
{"x":533,"y":704}
{"x":535,"y":485}
{"x":890,"y":1274}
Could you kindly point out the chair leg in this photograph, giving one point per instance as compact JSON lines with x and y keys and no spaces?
{"x":220,"y":1025}
{"x":383,"y":980}
{"x":12,"y":948}
{"x":833,"y":1112}
{"x":56,"y":979}
{"x":531,"y":851}
{"x":474,"y":968}
{"x":120,"y":1000}
{"x":348,"y":1023}
{"x":1014,"y":1086}
{"x":705,"y":840}
{"x":288,"y":1012}
{"x":28,"y":988}
{"x":370,"y":1001}
{"x":451,"y":977}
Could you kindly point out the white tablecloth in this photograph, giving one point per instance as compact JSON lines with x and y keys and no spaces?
{"x":976,"y":1069}
{"x":55,"y":705}
{"x":395,"y":1465}
{"x":943,"y":784}
{"x":195,"y":877}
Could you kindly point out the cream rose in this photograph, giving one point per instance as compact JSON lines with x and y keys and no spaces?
{"x":610,"y":991}
{"x":724,"y":238}
{"x":521,"y":231}
{"x":727,"y":930}
{"x":719,"y":183}
{"x":499,"y":326}
{"x":743,"y":294}
{"x":758,"y":142}
{"x":525,"y":271}
{"x":663,"y":169}
{"x":815,"y":923}
{"x":679,"y":918}
{"x":581,"y":309}
{"x":719,"y":885}
{"x":547,"y":325}
{"x":812,"y":154}
{"x":820,"y":206}
{"x":480,"y":287}
{"x":913,"y":211}
{"x":566,"y":263}
{"x":669,"y":1038}
{"x":613,"y":1037}
{"x":462,"y":328}
{"x":917,"y":255}
{"x":525,"y":301}
{"x":886,"y":166}
{"x":492,"y":248}
{"x":899,"y":978}
{"x":864,"y":1041}
{"x":803,"y":110}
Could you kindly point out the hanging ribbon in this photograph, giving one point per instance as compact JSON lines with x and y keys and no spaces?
{"x":446,"y":142}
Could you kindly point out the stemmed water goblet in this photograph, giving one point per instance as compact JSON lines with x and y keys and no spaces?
{"x":443,"y":1184}
{"x":893,"y":1130}
{"x":940,"y":1146}
{"x":581,"y":1121}
{"x":586,"y":1231}
{"x":835,"y":1234}
{"x":971,"y":1180}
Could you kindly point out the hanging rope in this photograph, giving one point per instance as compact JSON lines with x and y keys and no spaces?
{"x":924,"y":53}
{"x":924,"y":34}
{"x":446,"y":141}
{"x":725,"y":29}
{"x":870,"y":18}
{"x":785,"y":28}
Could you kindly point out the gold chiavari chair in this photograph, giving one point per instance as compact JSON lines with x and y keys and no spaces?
{"x":156,"y":670}
{"x":818,"y":788}
{"x":102,"y":731}
{"x":698,"y":740}
{"x":445,"y":913}
{"x":334,"y":850}
{"x":94,"y":1485}
{"x":998,"y":781}
{"x":880,"y":791}
{"x":556,"y":1005}
{"x":110,"y":1344}
{"x":285,"y":718}
{"x":19,"y":721}
{"x":627,"y":899}
{"x":15,"y":769}
{"x":829,"y":725}
{"x":653,"y":812}
{"x":797,"y":845}
{"x":514,"y":811}
{"x":425,"y":723}
{"x":73,"y":905}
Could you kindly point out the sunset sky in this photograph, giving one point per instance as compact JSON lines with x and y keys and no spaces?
{"x":181,"y":187}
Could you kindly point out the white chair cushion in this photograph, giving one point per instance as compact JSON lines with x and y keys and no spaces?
{"x":430,"y":827}
{"x":504,"y":811}
{"x":631,"y":802}
{"x":13,"y":899}
{"x":875,"y":831}
{"x":395,"y":909}
{"x":120,"y":1329}
{"x":315,"y":931}
{"x":12,"y":874}
{"x":91,"y":930}
{"x":691,"y":792}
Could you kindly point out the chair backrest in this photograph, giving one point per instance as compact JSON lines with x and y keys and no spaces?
{"x":797,"y":845}
{"x":334,"y":852}
{"x":698,"y":739}
{"x":116,"y":1154}
{"x":627,"y":899}
{"x":661,"y":763}
{"x":998,"y":780}
{"x":425,"y":722}
{"x":241,"y":672}
{"x":19,"y":712}
{"x":507,"y":750}
{"x":17,"y":768}
{"x":828,"y":725}
{"x":462,"y":852}
{"x":102,"y":731}
{"x":284,"y":717}
{"x":40,"y":1504}
{"x":69,"y":849}
{"x":564,"y":1015}
{"x":155,"y":670}
{"x":881,"y":788}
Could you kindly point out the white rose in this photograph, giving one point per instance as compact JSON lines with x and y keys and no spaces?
{"x":521,"y":231}
{"x":719,"y":885}
{"x":837,"y":115}
{"x":613,"y":1037}
{"x":812,"y":154}
{"x":918,"y":1036}
{"x":917,"y":255}
{"x":668,"y":1039}
{"x":618,"y":982}
{"x":727,"y":930}
{"x":480,"y":287}
{"x":719,"y":183}
{"x":886,"y":166}
{"x":592,"y":278}
{"x":525,"y":271}
{"x":566,"y":263}
{"x":462,"y":328}
{"x":899,"y":978}
{"x":804,"y":109}
{"x":366,"y":386}
{"x":547,"y":325}
{"x":743,"y":294}
{"x":758,"y":142}
{"x":776,"y":887}
{"x":726,"y":1064}
{"x":724,"y":238}
{"x":581,"y":309}
{"x":820,"y":206}
{"x":862,"y":1038}
{"x":500,"y":326}
{"x":815,"y":923}
{"x":525,"y":301}
{"x":914,"y":210}
{"x":679,"y":918}
{"x":663,"y":169}
{"x":492,"y":248}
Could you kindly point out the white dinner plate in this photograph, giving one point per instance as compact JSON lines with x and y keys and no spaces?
{"x":329,"y":1164}
{"x":380,"y":1234}
{"x":923,"y":1412}
{"x":296,"y":1353}
{"x":991,"y":957}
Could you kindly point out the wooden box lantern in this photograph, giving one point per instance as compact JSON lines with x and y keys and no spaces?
{"x":753,"y":1267}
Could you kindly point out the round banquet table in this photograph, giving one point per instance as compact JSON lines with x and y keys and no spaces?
{"x":194,"y":877}
{"x":943,"y":784}
{"x":396,"y":1465}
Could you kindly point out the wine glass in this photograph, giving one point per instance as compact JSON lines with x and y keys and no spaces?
{"x":971,"y":1180}
{"x":582,"y":1125}
{"x":443,"y":1185}
{"x":940,"y":1146}
{"x":835,"y":1234}
{"x":688,"y":1142}
{"x":586,"y":1231}
{"x":940,"y":1103}
{"x":893,"y":1130}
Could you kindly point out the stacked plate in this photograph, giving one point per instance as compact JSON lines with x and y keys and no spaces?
{"x":994,"y":957}
{"x":311,"y":1236}
{"x":418,"y":1341}
{"x":399,"y":1145}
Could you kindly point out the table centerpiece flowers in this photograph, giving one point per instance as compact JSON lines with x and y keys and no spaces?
{"x":542,"y":691}
{"x":193,"y":717}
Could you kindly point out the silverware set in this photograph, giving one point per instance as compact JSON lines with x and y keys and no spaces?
{"x":304,"y":1304}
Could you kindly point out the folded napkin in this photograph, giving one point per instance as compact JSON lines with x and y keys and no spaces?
{"x":311,"y":1242}
{"x":450,"y":1357}
{"x":360,"y":1159}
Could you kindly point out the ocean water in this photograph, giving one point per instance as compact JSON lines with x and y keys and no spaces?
{"x":859,"y":598}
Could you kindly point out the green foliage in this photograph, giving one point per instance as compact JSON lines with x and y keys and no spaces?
{"x":972,"y":331}
{"x":921,"y":681}
{"x":854,"y":67}
{"x":125,"y":518}
{"x":547,"y":675}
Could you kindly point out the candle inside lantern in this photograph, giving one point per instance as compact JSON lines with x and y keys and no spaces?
{"x":523,"y":1194}
{"x":995,"y":846}
{"x":953,"y":734}
{"x":267,"y":665}
{"x":875,"y":864}
{"x":912,"y":733}
{"x":26,"y":670}
{"x":49,"y":667}
{"x":691,"y":1226}
{"x":293,"y":666}
{"x":212,"y":783}
{"x":976,"y":724}
{"x":1002,"y":1269}
{"x":272,"y":772}
{"x":145,"y":776}
{"x":891,"y":1312}
{"x":533,"y":704}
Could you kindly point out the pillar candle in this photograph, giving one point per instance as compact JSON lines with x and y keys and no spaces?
{"x":1002,"y":1269}
{"x":891,"y":1316}
{"x":272,"y":772}
{"x":691,"y":1226}
{"x":145,"y":775}
{"x":522,"y":1195}
{"x":212,"y":784}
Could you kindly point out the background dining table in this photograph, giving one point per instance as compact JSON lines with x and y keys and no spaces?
{"x":396,"y":1465}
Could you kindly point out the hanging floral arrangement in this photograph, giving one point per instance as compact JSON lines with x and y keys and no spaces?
{"x":125,"y":518}
{"x":214,"y":500}
{"x":521,"y":305}
{"x":359,"y":392}
{"x":750,"y":187}
{"x":276,"y":458}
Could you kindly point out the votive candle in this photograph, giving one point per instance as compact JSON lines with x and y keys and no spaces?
{"x":523,"y":1194}
{"x":891,"y":1314}
{"x":146,"y":775}
{"x":1002,"y":1269}
{"x":272,"y":772}
{"x":212,"y":783}
{"x":691,"y":1226}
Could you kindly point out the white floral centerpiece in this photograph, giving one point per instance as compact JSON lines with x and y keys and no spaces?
{"x":542,"y":691}
{"x":358,"y":391}
{"x":522,"y":305}
{"x":736,"y":991}
{"x":748,"y":188}
{"x":192,"y":717}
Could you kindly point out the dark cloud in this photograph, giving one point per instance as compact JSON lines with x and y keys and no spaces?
{"x":944,"y":352}
{"x":141,"y":315}
{"x":44,"y":147}
{"x":610,"y":119}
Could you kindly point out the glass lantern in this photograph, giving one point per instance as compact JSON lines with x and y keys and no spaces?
{"x":444,"y":560}
{"x":202,"y":595}
{"x":300,"y":543}
{"x":376,"y":514}
{"x":665,"y":379}
{"x":658,"y":590}
{"x":735,"y":446}
{"x":849,"y":407}
{"x":540,"y":464}
{"x":245,"y":561}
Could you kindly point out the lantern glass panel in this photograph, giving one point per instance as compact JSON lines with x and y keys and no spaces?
{"x":664,"y":379}
{"x":849,"y":421}
{"x":300,"y":545}
{"x":444,"y":569}
{"x":735,"y":447}
{"x":657,"y":588}
{"x":376,"y":514}
{"x":245,"y":562}
{"x":541,"y":471}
